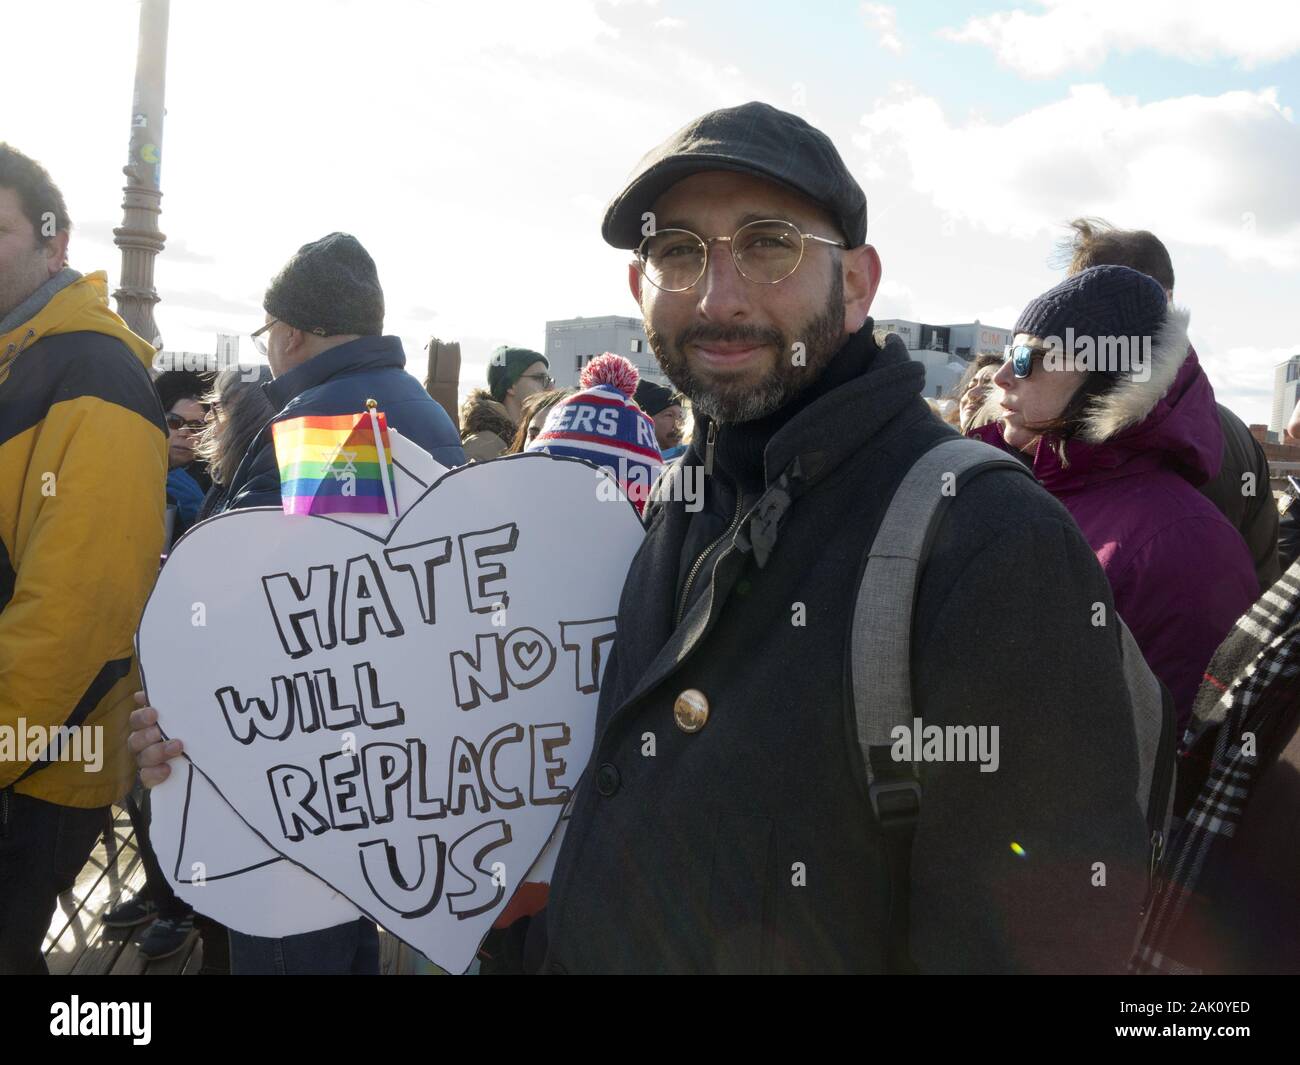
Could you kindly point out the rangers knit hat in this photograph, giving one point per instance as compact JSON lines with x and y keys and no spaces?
{"x":603,"y":425}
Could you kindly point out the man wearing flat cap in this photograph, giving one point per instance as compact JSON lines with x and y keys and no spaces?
{"x":723,"y":822}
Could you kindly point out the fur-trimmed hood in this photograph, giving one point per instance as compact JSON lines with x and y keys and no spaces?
{"x":480,"y":413}
{"x":1168,"y":419}
{"x":1132,"y":400}
{"x":1180,"y":573}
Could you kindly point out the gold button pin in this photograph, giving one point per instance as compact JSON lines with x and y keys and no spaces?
{"x":691,"y":710}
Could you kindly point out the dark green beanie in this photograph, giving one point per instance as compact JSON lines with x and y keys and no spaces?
{"x":330,"y":288}
{"x":507,"y":365}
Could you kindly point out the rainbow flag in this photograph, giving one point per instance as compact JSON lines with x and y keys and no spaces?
{"x":331,"y":465}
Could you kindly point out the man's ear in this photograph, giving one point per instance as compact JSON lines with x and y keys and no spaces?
{"x":862,"y":271}
{"x":634,"y":281}
{"x":295,"y":342}
{"x":56,"y":252}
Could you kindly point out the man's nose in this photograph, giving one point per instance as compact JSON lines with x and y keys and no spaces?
{"x":724,"y":294}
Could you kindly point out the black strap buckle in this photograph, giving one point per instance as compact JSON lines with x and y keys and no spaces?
{"x":896,"y":803}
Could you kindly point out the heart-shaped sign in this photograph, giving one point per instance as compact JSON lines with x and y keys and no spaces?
{"x":403,"y":716}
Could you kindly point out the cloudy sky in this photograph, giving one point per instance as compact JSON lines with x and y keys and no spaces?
{"x":472,"y":147}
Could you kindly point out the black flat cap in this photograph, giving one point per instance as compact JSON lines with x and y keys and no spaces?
{"x":754,"y":138}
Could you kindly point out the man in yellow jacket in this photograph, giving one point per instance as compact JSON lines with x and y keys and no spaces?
{"x":83,"y":461}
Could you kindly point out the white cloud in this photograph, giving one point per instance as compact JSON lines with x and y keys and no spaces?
{"x":1243,"y":376}
{"x":884,"y":20}
{"x":1080,"y":34}
{"x":471,"y":148}
{"x":894,"y":300}
{"x":669,"y":23}
{"x":1214,"y":172}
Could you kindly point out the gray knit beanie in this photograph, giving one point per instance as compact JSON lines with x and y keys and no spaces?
{"x":329,"y":287}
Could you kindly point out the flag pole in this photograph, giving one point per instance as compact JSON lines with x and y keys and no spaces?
{"x":383,"y":460}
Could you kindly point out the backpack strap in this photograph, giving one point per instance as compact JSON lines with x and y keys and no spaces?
{"x":881,"y":651}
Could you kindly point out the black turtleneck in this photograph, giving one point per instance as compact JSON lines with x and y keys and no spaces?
{"x":738,"y":461}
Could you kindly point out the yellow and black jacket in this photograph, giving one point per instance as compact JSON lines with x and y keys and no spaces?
{"x":83,"y":462}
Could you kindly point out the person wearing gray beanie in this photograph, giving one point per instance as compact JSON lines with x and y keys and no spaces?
{"x":328,"y":288}
{"x":322,"y":339}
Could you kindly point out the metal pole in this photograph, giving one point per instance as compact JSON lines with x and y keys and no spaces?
{"x":139,"y":236}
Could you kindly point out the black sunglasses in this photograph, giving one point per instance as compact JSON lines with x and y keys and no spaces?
{"x":176,"y":423}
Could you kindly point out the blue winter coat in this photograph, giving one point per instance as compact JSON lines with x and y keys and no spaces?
{"x":339,"y":381}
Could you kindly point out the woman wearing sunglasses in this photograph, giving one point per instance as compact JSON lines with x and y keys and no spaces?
{"x":187,"y":477}
{"x":1101,"y":392}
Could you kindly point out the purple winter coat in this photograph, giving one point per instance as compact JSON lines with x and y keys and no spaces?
{"x":1180,"y":573}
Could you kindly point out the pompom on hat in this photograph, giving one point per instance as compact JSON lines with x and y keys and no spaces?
{"x":603,"y":425}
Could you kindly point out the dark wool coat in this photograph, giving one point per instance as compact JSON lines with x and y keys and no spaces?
{"x":749,"y":844}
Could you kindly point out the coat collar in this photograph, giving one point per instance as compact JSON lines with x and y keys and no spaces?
{"x":364,"y":353}
{"x":828,"y":431}
{"x":37,"y":301}
{"x":801,"y":453}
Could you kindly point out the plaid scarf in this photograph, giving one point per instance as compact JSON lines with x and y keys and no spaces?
{"x":1241,"y":695}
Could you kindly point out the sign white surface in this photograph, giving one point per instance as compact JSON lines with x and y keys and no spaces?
{"x":401,"y":711}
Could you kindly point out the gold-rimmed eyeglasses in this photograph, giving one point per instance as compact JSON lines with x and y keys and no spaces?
{"x":765,"y":252}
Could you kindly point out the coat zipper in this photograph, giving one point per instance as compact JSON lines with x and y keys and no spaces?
{"x":1165,"y":765}
{"x":695,"y":568}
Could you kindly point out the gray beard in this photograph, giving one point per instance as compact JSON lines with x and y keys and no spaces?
{"x":821,"y":339}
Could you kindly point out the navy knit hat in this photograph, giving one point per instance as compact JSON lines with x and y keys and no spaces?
{"x":329,"y":288}
{"x":1104,"y":301}
{"x":507,"y":365}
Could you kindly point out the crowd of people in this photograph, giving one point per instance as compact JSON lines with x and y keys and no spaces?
{"x":1120,"y":601}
